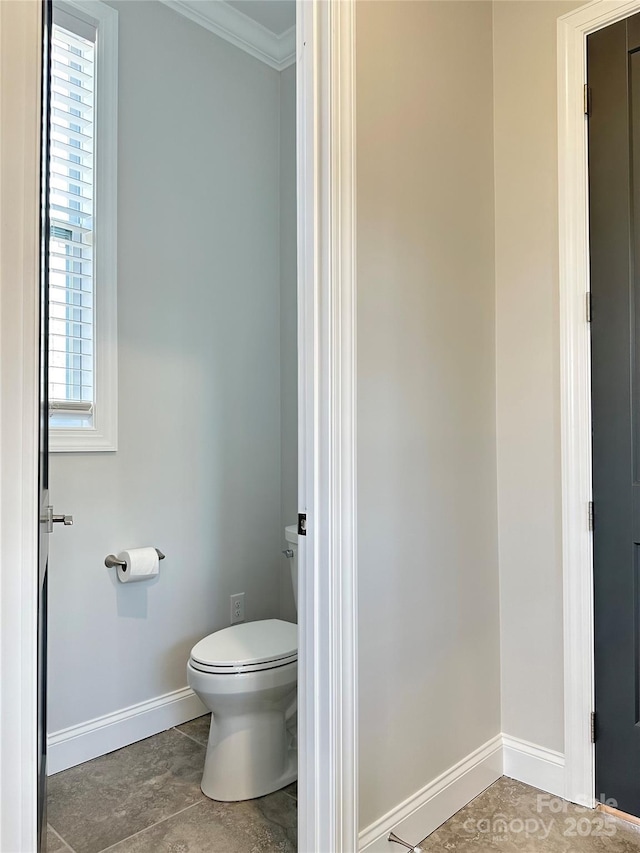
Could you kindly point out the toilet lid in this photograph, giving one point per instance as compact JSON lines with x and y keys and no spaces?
{"x":267,"y":641}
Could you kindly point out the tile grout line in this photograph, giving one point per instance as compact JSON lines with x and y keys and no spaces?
{"x":57,"y":834}
{"x":199,"y":742}
{"x":157,"y":823}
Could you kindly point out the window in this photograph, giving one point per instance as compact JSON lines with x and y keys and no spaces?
{"x":82,"y":239}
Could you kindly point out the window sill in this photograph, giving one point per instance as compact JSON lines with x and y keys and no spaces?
{"x":80,"y":441}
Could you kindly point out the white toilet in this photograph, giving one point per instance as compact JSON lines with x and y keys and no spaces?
{"x":246,"y":675}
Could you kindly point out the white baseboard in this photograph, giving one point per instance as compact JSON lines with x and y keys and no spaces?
{"x":534,"y":765}
{"x":76,"y":744}
{"x":427,"y":809}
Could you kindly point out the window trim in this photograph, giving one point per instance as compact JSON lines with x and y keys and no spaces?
{"x":103,"y":435}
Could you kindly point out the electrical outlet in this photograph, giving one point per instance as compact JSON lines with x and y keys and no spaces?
{"x":237,"y":608}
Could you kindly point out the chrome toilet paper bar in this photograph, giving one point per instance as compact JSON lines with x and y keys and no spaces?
{"x":111,"y":561}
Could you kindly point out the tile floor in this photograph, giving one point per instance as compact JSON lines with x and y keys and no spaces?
{"x":146,"y":798}
{"x":514,"y":818}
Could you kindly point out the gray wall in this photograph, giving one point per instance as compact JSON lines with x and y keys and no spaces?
{"x":429,"y":645}
{"x":288,"y":322}
{"x":528,"y":369}
{"x":198,"y":470}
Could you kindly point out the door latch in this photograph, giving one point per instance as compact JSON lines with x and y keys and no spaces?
{"x":52,"y":519}
{"x":302,"y":524}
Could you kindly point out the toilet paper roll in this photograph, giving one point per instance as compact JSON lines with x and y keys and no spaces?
{"x":141,"y":565}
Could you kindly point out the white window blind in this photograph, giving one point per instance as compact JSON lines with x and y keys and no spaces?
{"x":71,"y":210}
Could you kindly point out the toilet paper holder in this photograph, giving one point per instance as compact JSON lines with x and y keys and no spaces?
{"x":111,"y":561}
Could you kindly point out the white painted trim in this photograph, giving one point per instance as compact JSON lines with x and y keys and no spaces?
{"x":327,"y":727}
{"x":103,"y":436}
{"x":534,"y":765}
{"x":20,"y":81}
{"x":423,"y":812}
{"x":575,"y":402}
{"x":277,"y":51}
{"x":76,"y":744}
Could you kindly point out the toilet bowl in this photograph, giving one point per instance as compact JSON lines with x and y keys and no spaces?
{"x":246,"y":675}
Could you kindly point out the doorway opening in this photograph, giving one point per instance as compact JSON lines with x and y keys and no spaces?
{"x":172,"y":428}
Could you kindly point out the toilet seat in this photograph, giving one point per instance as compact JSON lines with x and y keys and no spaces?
{"x":248,"y":647}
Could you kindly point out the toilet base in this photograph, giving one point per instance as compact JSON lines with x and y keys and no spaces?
{"x":244,"y":762}
{"x":225,"y":796}
{"x":251,"y":750}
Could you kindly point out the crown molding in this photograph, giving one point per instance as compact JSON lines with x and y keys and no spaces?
{"x":239,"y":29}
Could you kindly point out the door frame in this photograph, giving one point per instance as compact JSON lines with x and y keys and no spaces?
{"x":20,"y":83}
{"x":327,"y":654}
{"x":575,"y":390}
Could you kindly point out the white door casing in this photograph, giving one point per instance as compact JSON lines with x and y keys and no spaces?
{"x":20,"y":76}
{"x":327,"y":791}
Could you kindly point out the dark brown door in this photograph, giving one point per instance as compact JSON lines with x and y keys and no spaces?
{"x":613,"y":59}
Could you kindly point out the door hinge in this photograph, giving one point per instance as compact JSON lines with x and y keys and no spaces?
{"x":302,"y":524}
{"x":587,"y":100}
{"x":590,"y":514}
{"x":588,"y":305}
{"x":593,"y":726}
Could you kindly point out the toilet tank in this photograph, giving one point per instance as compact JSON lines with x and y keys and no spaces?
{"x":291,"y":535}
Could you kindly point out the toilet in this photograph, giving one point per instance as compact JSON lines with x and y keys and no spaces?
{"x":246,"y":675}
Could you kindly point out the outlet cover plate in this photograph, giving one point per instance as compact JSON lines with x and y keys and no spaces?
{"x":237,"y":608}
